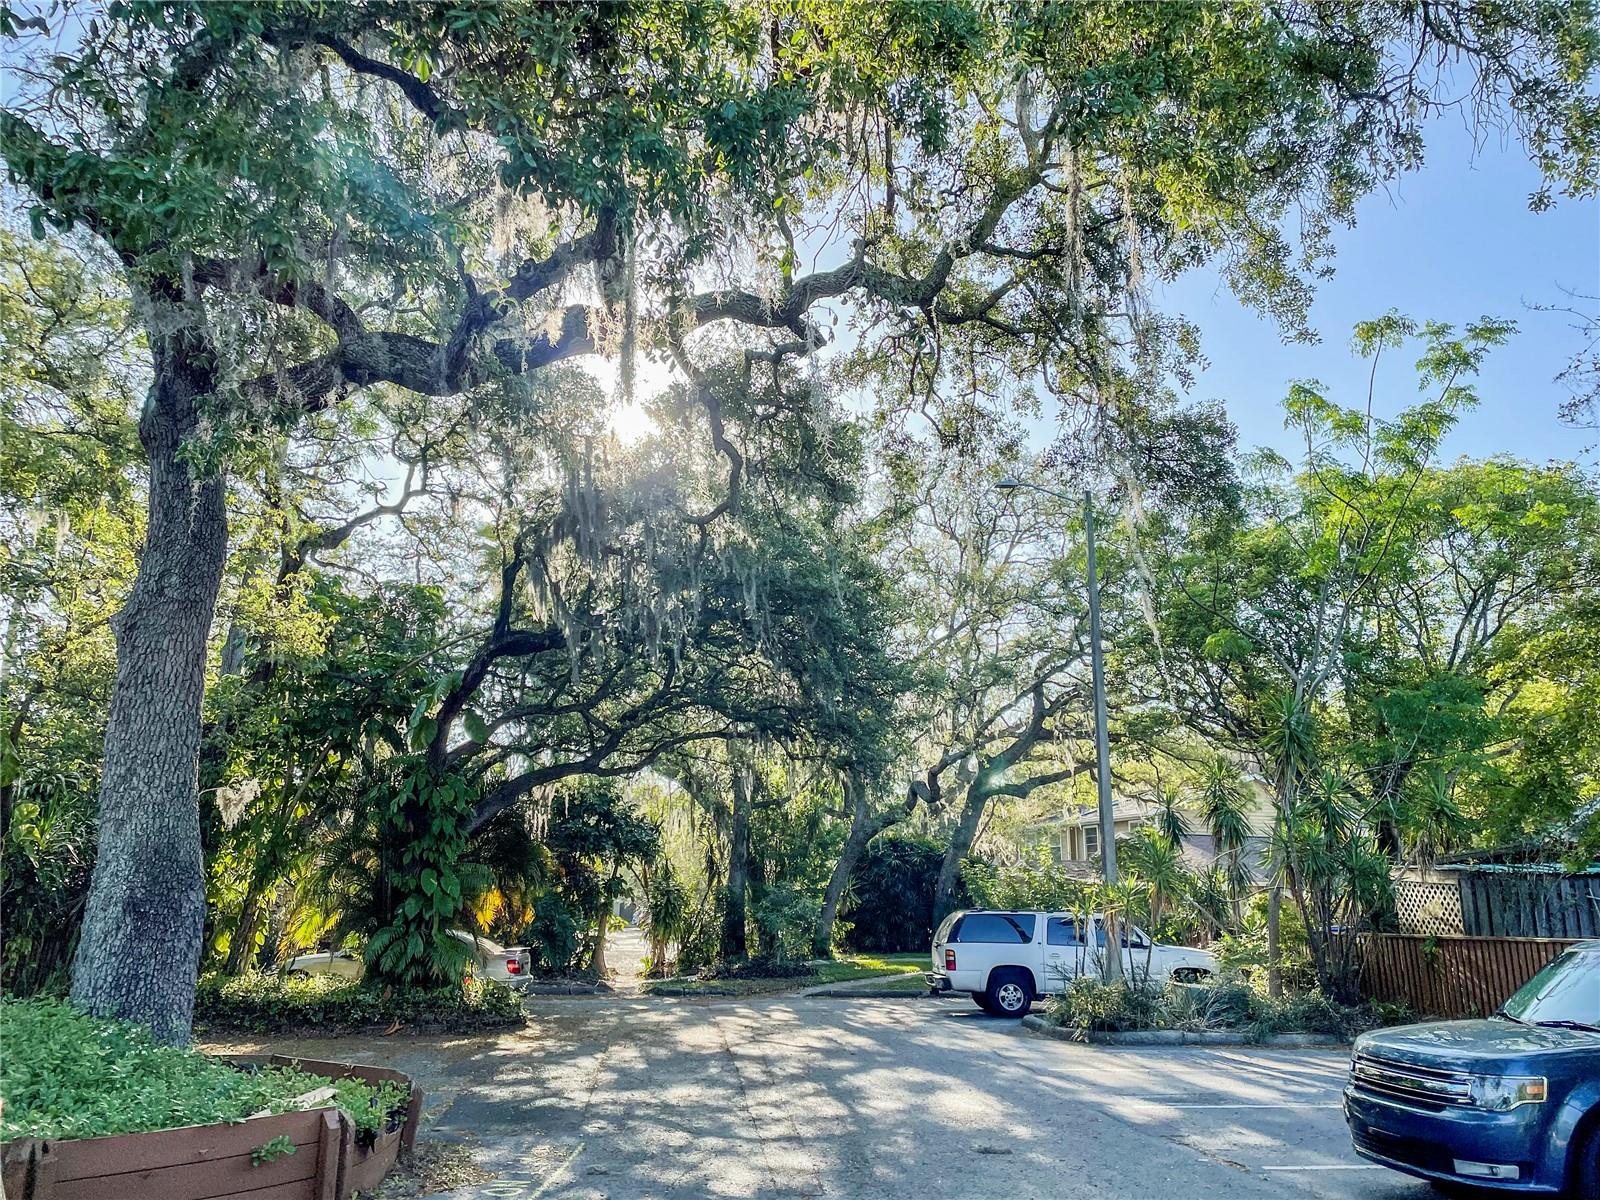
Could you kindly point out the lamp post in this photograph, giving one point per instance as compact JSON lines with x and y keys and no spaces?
{"x":1111,"y":961}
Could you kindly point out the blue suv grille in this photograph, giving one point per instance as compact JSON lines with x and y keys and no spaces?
{"x":1425,"y":1087}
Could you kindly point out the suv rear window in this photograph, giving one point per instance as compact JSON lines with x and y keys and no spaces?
{"x":1014,"y":928}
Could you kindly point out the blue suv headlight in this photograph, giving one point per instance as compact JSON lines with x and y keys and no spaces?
{"x":1501,"y":1093}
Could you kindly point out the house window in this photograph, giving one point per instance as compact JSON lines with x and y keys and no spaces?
{"x":1091,"y":841}
{"x":1055,"y":851}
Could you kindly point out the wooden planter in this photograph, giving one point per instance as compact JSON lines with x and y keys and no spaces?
{"x":194,"y":1163}
{"x":209,"y":1162}
{"x":363,"y":1167}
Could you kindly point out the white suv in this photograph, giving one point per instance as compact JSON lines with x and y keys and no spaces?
{"x":1006,"y":960}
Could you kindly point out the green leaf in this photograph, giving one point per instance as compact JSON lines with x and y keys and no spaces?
{"x":424,"y":733}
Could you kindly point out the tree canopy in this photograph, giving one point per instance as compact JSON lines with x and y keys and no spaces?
{"x":342,"y":609}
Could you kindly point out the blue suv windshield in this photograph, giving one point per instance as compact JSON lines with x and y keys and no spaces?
{"x":1566,"y":992}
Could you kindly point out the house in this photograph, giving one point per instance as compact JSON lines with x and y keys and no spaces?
{"x":1072,"y":836}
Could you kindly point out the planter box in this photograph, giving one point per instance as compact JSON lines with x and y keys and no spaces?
{"x":363,"y":1167}
{"x":209,"y":1162}
{"x":197,"y":1162}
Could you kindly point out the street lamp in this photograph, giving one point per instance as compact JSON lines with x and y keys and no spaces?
{"x":1111,"y":961}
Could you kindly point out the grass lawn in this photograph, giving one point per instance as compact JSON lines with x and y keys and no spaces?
{"x":844,"y":969}
{"x":865,"y":966}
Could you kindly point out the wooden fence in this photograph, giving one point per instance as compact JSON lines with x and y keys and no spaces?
{"x":1527,"y":904}
{"x":1451,"y":976}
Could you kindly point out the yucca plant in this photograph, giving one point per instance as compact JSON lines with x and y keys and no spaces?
{"x":1224,"y":808}
{"x":667,"y":913}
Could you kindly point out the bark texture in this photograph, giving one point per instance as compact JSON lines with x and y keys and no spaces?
{"x":734,"y":943}
{"x":862,"y":829}
{"x":961,"y":839}
{"x":139,"y":951}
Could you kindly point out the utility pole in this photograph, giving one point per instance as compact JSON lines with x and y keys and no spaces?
{"x":1111,"y":961}
{"x":1111,"y":958}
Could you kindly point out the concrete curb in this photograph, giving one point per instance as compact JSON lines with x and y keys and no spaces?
{"x":1182,"y":1037}
{"x":565,"y":989}
{"x":843,"y":990}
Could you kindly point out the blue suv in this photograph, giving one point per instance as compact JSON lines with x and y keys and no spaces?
{"x":1510,"y":1103}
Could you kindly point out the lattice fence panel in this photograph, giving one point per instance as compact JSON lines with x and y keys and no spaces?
{"x":1428,"y":909}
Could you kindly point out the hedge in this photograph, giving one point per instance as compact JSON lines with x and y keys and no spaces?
{"x":265,"y":1003}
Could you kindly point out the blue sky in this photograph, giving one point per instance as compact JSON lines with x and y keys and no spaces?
{"x":1451,"y":242}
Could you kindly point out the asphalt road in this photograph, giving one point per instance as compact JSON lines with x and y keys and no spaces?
{"x":625,"y":1098}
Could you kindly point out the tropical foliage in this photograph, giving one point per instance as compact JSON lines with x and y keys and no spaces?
{"x":488,"y":465}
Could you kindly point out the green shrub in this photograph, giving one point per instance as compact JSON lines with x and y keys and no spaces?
{"x":889,"y":907}
{"x":48,"y":851}
{"x":1035,"y":882}
{"x":554,"y":936}
{"x":67,"y":1075}
{"x":1090,"y":1006}
{"x":761,"y":968}
{"x":262,"y":1003}
{"x":1311,"y":1013}
{"x":1244,"y":951}
{"x":701,"y":946}
{"x":1226,"y":1004}
{"x":786,"y":921}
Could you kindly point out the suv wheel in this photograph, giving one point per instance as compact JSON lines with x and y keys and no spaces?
{"x":1583,"y":1176}
{"x":1009,"y":994}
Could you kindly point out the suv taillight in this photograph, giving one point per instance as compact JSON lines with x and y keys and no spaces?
{"x":513,"y":967}
{"x":949,"y":960}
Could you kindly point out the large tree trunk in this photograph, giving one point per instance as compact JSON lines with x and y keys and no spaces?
{"x":597,"y":962}
{"x":139,"y":951}
{"x":734,"y":946}
{"x":961,"y":839}
{"x":861,"y":831}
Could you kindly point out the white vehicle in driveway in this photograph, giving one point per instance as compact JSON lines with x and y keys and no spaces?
{"x":346,"y":964}
{"x":509,"y":965}
{"x":1006,"y":960}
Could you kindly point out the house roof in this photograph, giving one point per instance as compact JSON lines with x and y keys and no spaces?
{"x":1529,"y":858}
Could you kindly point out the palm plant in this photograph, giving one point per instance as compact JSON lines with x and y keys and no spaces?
{"x":1337,"y":875}
{"x":668,"y":915}
{"x":1214,"y":900}
{"x":1224,"y":807}
{"x":1432,"y":821}
{"x":1156,"y":861}
{"x":1171,"y":820}
{"x":1290,"y":739}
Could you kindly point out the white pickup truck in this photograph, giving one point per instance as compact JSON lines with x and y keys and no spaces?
{"x":1006,"y":960}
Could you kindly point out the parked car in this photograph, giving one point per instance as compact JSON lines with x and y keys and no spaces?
{"x":1007,"y":960}
{"x":1510,"y":1103}
{"x":510,"y":965}
{"x":504,"y":964}
{"x":344,"y":963}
